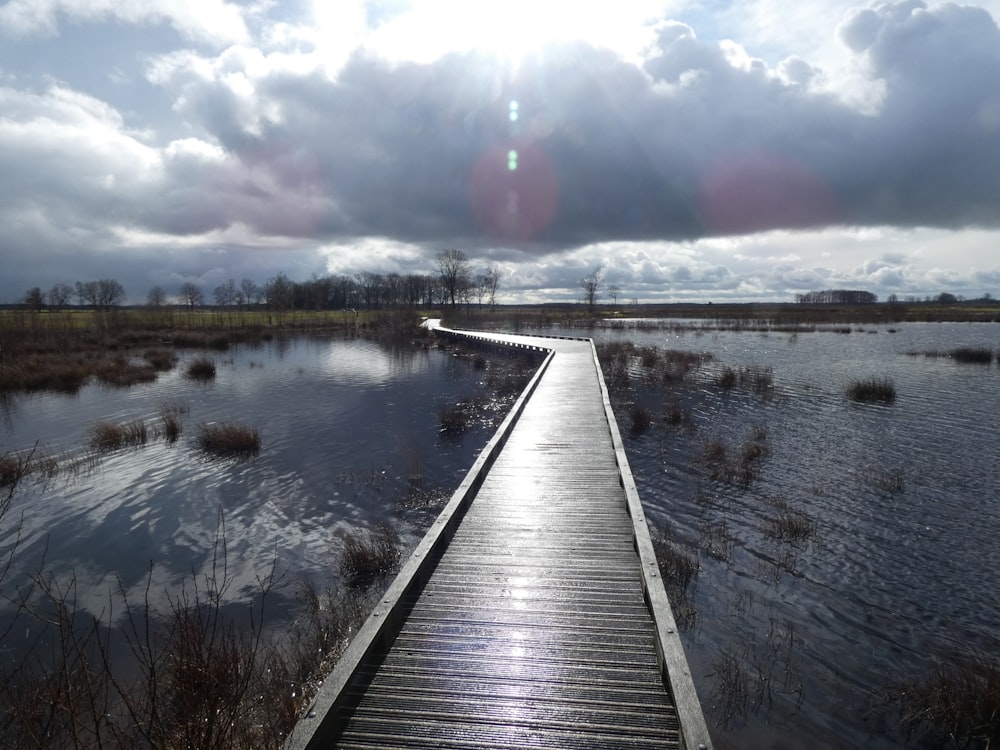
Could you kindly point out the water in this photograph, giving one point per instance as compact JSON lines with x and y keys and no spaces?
{"x":349,"y":429}
{"x":902,"y":566}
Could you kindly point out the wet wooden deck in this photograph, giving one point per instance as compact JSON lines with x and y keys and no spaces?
{"x":532,"y":614}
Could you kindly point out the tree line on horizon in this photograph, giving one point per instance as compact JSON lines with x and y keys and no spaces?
{"x":456,"y":283}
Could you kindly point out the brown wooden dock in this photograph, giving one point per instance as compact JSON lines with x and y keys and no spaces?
{"x":532,"y":614}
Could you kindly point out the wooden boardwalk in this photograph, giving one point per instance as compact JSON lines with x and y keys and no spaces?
{"x":532,"y":614}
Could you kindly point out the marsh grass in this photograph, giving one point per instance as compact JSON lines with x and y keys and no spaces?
{"x":872,"y":390}
{"x":789,"y":525}
{"x":161,"y":360}
{"x":955,"y":704}
{"x":106,"y":436}
{"x":731,"y":688}
{"x":675,"y":415}
{"x":892,"y":481}
{"x":201,"y":368}
{"x":679,"y":572}
{"x":370,"y":556}
{"x":741,"y":467}
{"x":975,"y":355}
{"x":754,"y":378}
{"x":228,"y":439}
{"x":171,"y":422}
{"x":120,"y":372}
{"x":640,"y":420}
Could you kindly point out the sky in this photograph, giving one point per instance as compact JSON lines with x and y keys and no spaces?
{"x":689,"y":151}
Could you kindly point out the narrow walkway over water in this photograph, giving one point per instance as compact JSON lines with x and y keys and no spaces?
{"x":532,"y":614}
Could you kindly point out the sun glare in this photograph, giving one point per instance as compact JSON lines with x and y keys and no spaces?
{"x":507,"y":29}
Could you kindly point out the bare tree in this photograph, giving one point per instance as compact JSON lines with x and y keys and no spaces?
{"x":191,"y":295}
{"x":280,"y":292}
{"x":591,"y":285}
{"x":60,"y":295}
{"x":102,"y":294}
{"x":249,"y":290}
{"x":34,"y":298}
{"x":453,"y":267}
{"x":156,"y":297}
{"x":225,"y":294}
{"x":614,"y":290}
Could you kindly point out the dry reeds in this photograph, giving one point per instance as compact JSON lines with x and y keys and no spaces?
{"x":109,"y":436}
{"x":754,"y":378}
{"x":679,"y":572}
{"x":872,"y":390}
{"x":160,"y":359}
{"x":229,"y":439}
{"x":741,"y":468}
{"x":957,"y":703}
{"x":979,"y":355}
{"x":789,"y":525}
{"x":170,"y":419}
{"x":201,"y":368}
{"x":121,"y":373}
{"x":369,"y":557}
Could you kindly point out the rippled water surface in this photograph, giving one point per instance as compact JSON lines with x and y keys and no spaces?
{"x":348,"y":430}
{"x":902,"y":565}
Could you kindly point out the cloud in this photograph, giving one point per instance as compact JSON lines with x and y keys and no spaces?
{"x":213,"y":21}
{"x":703,"y":164}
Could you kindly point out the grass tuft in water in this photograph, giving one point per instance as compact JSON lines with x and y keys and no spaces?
{"x":973,"y":354}
{"x":955,"y":704}
{"x":640,"y":420}
{"x":872,"y":390}
{"x":109,"y":436}
{"x":370,"y":556}
{"x":229,"y":439}
{"x":201,"y":368}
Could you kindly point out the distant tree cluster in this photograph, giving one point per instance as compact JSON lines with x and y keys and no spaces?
{"x":455,"y":283}
{"x":837,"y":297}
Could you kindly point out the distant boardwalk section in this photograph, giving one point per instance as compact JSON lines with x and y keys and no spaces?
{"x":532,"y":615}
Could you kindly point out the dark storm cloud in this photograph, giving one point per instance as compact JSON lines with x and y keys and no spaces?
{"x":690,"y":145}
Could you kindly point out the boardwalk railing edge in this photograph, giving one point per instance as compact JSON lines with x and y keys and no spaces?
{"x":670,"y":650}
{"x":322,"y":718}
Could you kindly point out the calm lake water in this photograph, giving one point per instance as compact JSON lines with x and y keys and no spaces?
{"x":905,"y":498}
{"x":901,"y":568}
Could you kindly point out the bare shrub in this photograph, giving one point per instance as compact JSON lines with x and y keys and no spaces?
{"x":370,"y":556}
